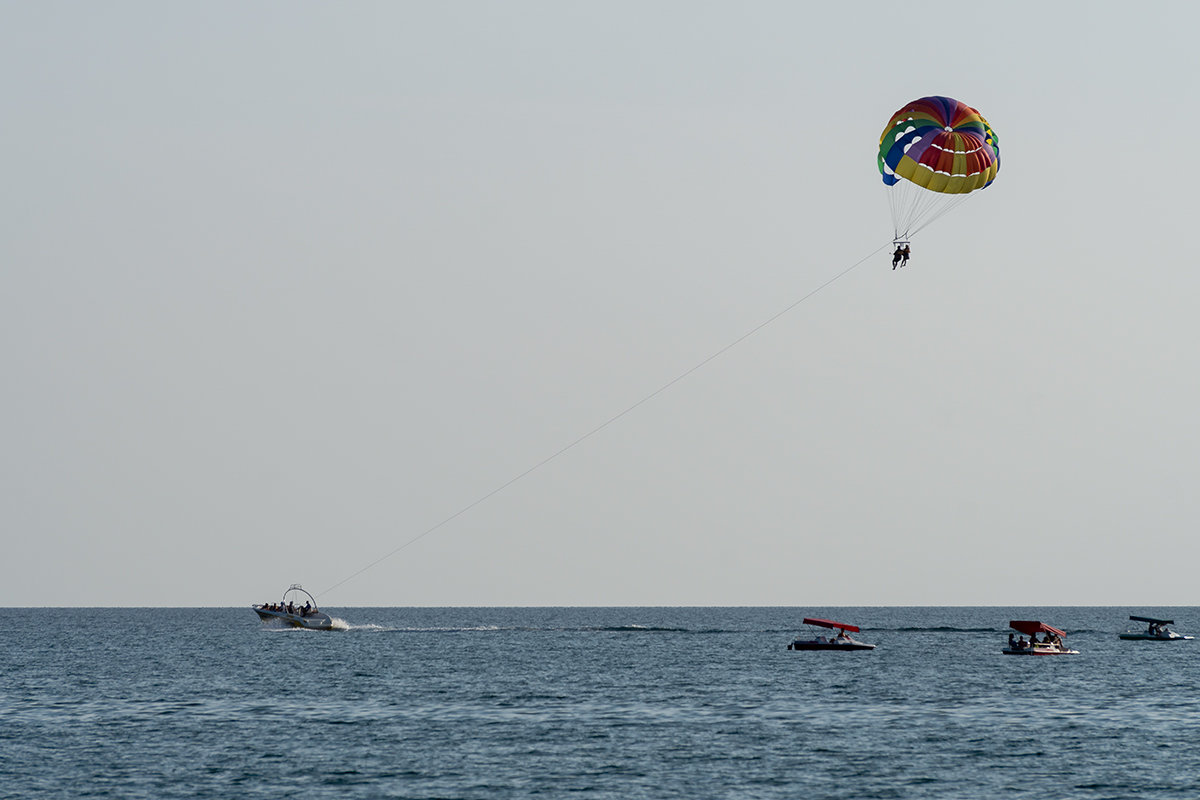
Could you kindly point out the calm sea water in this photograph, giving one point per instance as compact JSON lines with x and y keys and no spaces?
{"x":604,"y":702}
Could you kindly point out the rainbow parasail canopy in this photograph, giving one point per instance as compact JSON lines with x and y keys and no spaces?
{"x":933,"y":152}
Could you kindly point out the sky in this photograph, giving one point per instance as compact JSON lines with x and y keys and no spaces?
{"x":284,"y":286}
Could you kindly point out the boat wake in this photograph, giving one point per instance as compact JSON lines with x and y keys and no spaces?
{"x":469,"y":629}
{"x":365,"y":626}
{"x":632,"y":629}
{"x":371,"y":627}
{"x":941,"y":629}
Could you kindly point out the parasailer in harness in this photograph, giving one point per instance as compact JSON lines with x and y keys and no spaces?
{"x":900,"y":257}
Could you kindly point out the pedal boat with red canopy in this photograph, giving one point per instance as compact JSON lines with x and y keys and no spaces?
{"x":1052,"y":645}
{"x":839,"y":641}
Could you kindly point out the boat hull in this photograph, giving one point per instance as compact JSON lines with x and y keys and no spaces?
{"x":802,"y":645}
{"x":312,"y":622}
{"x":1148,"y":637}
{"x":1039,"y":651}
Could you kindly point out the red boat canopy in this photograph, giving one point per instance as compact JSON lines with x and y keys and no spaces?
{"x":828,"y":623}
{"x":1030,"y":627}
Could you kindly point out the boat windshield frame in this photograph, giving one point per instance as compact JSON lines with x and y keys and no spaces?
{"x":295,"y":587}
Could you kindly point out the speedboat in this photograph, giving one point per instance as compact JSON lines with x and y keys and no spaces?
{"x":289,"y":612}
{"x":1156,"y":631}
{"x":1051,"y":645}
{"x":840,"y":641}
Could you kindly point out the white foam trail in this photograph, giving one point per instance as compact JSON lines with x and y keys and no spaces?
{"x":370,"y":626}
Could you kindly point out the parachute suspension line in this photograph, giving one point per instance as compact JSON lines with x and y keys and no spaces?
{"x":607,"y":422}
{"x":924,"y":203}
{"x":910,"y":204}
{"x":914,"y":208}
{"x":945,"y":209}
{"x":901,"y":229}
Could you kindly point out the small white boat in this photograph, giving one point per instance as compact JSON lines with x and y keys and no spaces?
{"x":1156,"y":631}
{"x":840,"y":641}
{"x":1051,"y":645}
{"x":289,"y":611}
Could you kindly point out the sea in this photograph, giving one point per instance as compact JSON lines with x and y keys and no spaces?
{"x":591,"y":703}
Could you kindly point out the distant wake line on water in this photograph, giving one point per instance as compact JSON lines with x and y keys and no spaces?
{"x":371,"y":627}
{"x":997,"y":629}
{"x":522,"y":629}
{"x":633,"y":629}
{"x":637,"y":629}
{"x":936,"y":629}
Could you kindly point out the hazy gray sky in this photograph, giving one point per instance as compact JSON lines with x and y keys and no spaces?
{"x":282,"y":285}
